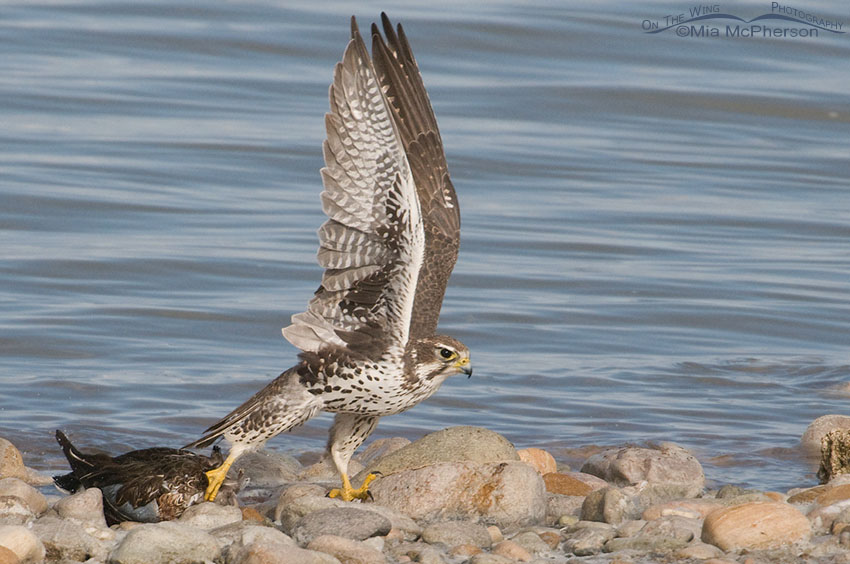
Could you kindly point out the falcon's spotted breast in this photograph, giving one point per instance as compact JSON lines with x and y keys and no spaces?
{"x":368,"y":337}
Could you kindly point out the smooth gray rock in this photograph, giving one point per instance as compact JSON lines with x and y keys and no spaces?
{"x":507,"y":494}
{"x":294,"y":504}
{"x":67,"y":539}
{"x":668,"y":464}
{"x":455,"y":444}
{"x":266,"y":469}
{"x":409,"y":529}
{"x":207,"y":515}
{"x":85,"y":506}
{"x":662,"y":535}
{"x":169,"y":542}
{"x":348,"y":522}
{"x":454,"y":533}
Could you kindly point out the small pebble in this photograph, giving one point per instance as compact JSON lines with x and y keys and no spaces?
{"x":495,"y":534}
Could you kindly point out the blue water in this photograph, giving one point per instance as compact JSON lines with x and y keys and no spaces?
{"x":655,"y":242}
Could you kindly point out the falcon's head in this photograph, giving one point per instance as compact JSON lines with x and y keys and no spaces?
{"x":439,"y":357}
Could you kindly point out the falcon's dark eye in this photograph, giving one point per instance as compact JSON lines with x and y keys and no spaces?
{"x":448,"y":354}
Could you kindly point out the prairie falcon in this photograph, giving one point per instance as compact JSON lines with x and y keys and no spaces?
{"x":368,"y":338}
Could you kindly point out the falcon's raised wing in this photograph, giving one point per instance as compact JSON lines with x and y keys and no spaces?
{"x":373,"y":244}
{"x":414,"y":118}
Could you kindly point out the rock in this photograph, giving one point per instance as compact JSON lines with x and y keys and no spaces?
{"x":586,"y":538}
{"x":296,"y":502}
{"x":263,"y":552}
{"x":510,"y":549}
{"x":558,"y":506}
{"x":812,"y":438}
{"x":669,"y":464}
{"x":662,"y":535}
{"x":207,"y":515}
{"x":8,"y":557}
{"x":325,"y":471}
{"x":495,"y":534}
{"x":11,"y":461}
{"x":486,"y":558}
{"x":835,"y":455}
{"x":539,"y":459}
{"x":85,"y":506}
{"x":381,"y":447}
{"x":16,"y":487}
{"x":236,"y":535}
{"x":551,"y":538}
{"x":249,"y":543}
{"x":169,"y":542}
{"x":691,"y":508}
{"x":755,"y":525}
{"x":698,"y":551}
{"x":67,"y":539}
{"x":23,"y":542}
{"x":504,"y":494}
{"x":564,"y":484}
{"x":265,"y":468}
{"x":455,"y":533}
{"x":15,"y":511}
{"x":401,"y":523}
{"x":464,"y":551}
{"x":615,"y":505}
{"x":347,"y":550}
{"x":531,"y":542}
{"x":348,"y":522}
{"x":455,"y":444}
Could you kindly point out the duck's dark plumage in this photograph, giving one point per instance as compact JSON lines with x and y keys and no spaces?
{"x":149,"y":485}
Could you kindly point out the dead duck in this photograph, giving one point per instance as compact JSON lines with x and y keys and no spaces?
{"x":147,"y":485}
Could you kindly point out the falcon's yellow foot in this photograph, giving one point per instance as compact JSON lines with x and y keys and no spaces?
{"x":347,"y":493}
{"x":216,"y":478}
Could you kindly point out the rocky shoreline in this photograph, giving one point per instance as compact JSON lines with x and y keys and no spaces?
{"x":464,"y":494}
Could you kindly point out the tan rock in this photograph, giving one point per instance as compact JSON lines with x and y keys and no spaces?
{"x":251,"y":514}
{"x":807,"y":495}
{"x":11,"y":461}
{"x":834,"y":495}
{"x":551,"y":538}
{"x":817,"y":429}
{"x":454,"y":444}
{"x":698,"y":551}
{"x":495,"y":534}
{"x":565,"y":484}
{"x":755,"y":525}
{"x":464,"y":551}
{"x":23,"y":542}
{"x":539,"y":459}
{"x":512,"y":550}
{"x":506,"y":494}
{"x":8,"y":557}
{"x":16,"y":487}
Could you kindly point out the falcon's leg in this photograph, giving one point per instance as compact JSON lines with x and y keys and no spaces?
{"x":348,"y":432}
{"x":216,"y":476}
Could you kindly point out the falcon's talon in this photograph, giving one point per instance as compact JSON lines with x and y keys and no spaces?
{"x":348,"y":493}
{"x":216,"y":477}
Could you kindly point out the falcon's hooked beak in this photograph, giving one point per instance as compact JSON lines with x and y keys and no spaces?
{"x":464,"y":366}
